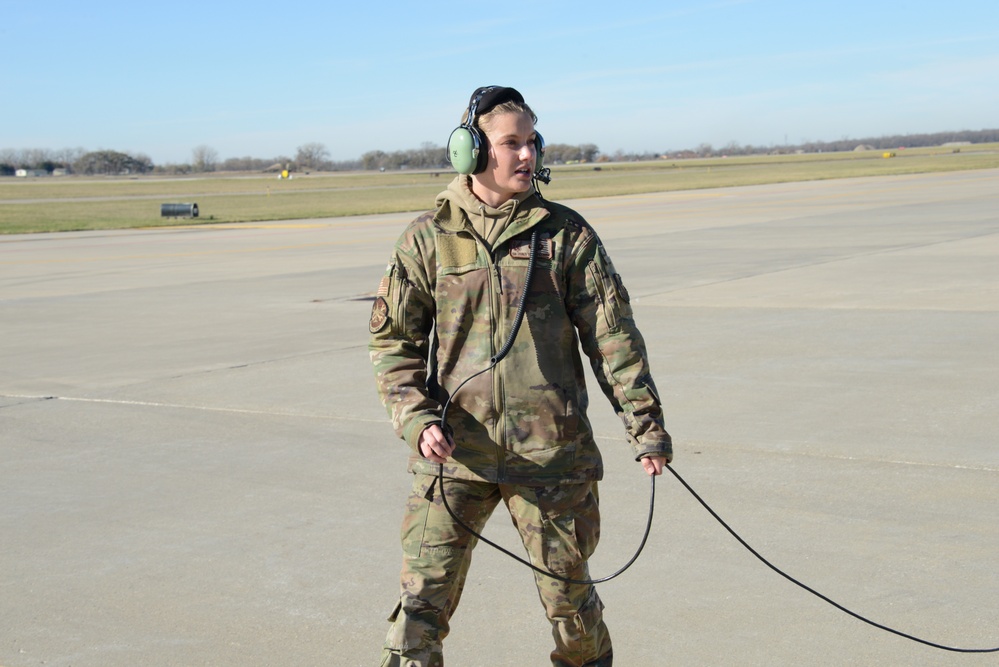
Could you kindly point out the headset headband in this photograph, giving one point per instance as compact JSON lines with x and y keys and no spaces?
{"x":486,"y":98}
{"x":473,"y":106}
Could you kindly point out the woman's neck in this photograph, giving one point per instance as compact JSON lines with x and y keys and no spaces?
{"x":488,"y":196}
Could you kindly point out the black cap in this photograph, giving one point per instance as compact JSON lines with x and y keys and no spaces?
{"x":491,"y":96}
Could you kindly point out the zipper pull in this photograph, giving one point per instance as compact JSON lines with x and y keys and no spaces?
{"x":499,"y":281}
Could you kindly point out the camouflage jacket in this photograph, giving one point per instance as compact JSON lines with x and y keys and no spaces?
{"x":445,"y":307}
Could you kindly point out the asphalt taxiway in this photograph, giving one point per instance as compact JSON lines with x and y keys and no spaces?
{"x":195,"y":468}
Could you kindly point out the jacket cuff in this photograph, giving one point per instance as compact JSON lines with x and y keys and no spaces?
{"x":654,"y":449}
{"x":411,"y":433}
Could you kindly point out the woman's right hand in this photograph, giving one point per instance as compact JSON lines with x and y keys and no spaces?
{"x":434,"y":445}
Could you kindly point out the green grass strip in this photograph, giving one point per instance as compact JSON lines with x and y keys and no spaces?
{"x":87,"y":203}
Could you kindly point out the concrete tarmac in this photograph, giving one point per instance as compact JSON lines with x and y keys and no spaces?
{"x":195,"y":468}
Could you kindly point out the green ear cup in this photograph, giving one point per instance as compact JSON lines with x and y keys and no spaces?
{"x":463,"y":150}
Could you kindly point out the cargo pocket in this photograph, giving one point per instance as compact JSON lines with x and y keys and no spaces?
{"x":395,"y":640}
{"x":594,"y":641}
{"x":406,"y":633}
{"x":590,"y":616}
{"x":414,"y":523}
{"x":395,"y":612}
{"x":571,"y":526}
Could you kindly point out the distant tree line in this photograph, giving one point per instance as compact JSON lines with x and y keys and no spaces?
{"x":112,"y":163}
{"x":432,"y":156}
{"x":74,"y":160}
{"x":427,"y":156}
{"x":566,"y":154}
{"x":907,"y":140}
{"x":315,"y":156}
{"x":846,"y":144}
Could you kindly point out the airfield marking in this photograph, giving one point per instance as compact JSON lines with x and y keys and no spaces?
{"x":197,"y":253}
{"x":243,"y":225}
{"x":744,"y":205}
{"x":179,"y":406}
{"x":284,"y":413}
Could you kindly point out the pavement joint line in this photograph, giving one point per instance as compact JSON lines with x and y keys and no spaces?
{"x":772,"y":452}
{"x":193,"y":253}
{"x":833,"y":457}
{"x":154,"y":404}
{"x":890,"y":250}
{"x":924,"y":464}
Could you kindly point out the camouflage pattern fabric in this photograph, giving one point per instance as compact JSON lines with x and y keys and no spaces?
{"x":442,"y":311}
{"x":444,"y":307}
{"x":559,"y":526}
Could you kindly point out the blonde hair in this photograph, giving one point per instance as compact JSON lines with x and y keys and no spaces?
{"x":484,"y":121}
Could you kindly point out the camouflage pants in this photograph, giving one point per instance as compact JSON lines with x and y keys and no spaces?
{"x":559,"y":525}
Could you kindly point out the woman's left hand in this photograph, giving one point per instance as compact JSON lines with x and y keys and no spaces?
{"x":654,"y":464}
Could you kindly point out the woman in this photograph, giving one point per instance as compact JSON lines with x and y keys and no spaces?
{"x":518,"y":432}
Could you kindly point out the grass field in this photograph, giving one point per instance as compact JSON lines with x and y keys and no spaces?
{"x":83,"y":203}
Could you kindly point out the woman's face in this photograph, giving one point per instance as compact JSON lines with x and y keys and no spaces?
{"x":512,"y":157}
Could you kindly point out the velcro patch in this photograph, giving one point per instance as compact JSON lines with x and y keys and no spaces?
{"x":454,"y":250}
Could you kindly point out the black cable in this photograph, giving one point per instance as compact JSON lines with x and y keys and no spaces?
{"x":540,"y":570}
{"x":518,"y":319}
{"x":813,"y":591}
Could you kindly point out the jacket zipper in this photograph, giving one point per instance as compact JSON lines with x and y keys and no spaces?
{"x":499,"y":429}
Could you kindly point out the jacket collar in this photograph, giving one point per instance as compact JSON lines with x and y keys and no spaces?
{"x":453,"y":214}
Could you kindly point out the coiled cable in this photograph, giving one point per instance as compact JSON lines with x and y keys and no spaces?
{"x":518,"y":320}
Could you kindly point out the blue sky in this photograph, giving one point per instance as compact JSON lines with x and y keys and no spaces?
{"x":262,"y":78}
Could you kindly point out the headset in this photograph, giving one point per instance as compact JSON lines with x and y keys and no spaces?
{"x":466,"y":147}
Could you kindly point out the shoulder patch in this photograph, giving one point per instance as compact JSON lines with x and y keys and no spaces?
{"x":379,"y":315}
